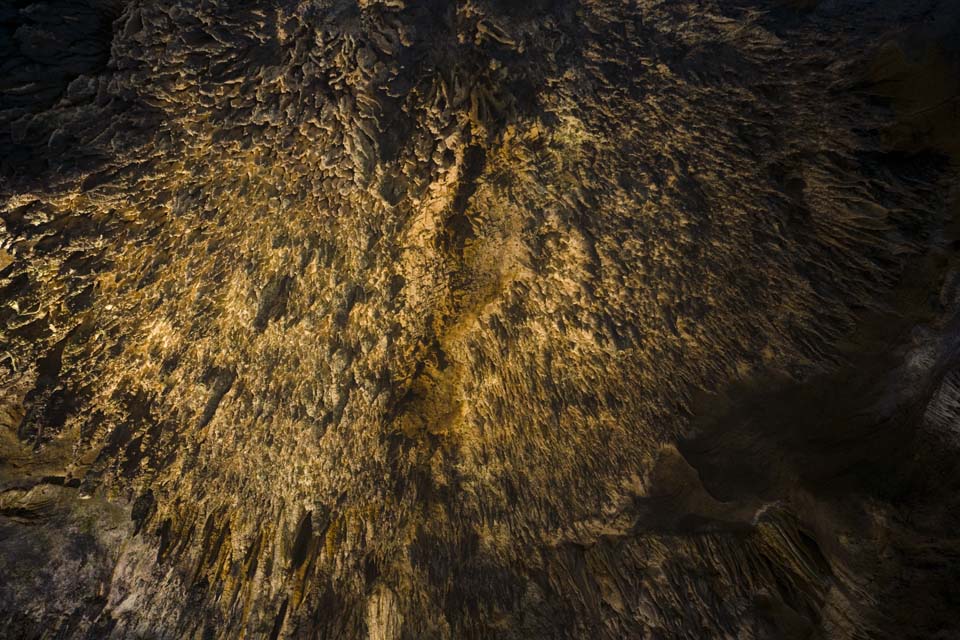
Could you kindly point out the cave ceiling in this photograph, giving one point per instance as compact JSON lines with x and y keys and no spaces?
{"x":402,"y":319}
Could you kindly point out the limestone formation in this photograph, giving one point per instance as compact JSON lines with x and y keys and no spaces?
{"x":402,"y":319}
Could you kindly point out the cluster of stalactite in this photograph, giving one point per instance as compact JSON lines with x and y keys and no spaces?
{"x":429,"y":319}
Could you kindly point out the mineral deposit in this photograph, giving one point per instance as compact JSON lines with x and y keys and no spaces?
{"x":519,"y":319}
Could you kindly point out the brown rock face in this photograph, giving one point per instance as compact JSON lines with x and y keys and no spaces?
{"x":405,"y":319}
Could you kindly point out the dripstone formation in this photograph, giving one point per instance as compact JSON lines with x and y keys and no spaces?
{"x":403,"y":319}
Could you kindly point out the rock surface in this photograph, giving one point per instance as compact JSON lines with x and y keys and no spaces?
{"x":483,"y":319}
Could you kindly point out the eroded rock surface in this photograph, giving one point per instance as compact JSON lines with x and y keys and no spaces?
{"x":484,"y":319}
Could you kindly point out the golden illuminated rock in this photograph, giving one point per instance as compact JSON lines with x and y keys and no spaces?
{"x":482,"y":319}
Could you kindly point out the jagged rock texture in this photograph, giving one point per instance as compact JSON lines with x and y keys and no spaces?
{"x":485,"y":319}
